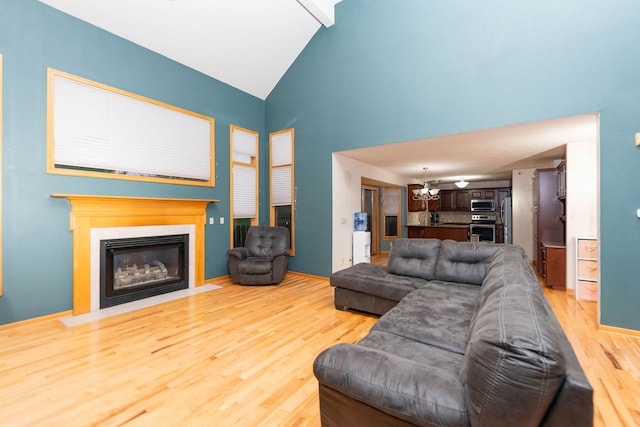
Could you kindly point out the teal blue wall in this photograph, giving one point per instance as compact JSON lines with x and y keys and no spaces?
{"x":37,"y":247}
{"x":403,"y":70}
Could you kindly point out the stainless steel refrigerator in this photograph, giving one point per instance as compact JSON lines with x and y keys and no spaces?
{"x":506,"y":214}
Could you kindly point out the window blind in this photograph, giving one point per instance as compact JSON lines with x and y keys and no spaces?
{"x":103,"y":130}
{"x":281,"y":168}
{"x":391,"y":202}
{"x":244,"y":191}
{"x":281,"y":186}
{"x":244,"y":145}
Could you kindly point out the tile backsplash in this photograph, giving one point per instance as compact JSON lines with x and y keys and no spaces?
{"x":419,"y":218}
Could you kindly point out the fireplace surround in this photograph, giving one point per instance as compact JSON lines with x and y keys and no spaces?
{"x":96,"y":214}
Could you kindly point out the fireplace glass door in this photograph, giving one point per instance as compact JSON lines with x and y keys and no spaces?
{"x":136,"y":268}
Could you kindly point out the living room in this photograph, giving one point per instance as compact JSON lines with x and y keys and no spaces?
{"x":436,"y":69}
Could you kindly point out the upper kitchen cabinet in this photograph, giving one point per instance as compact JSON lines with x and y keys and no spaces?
{"x":419,"y":205}
{"x":463,"y":202}
{"x":415,"y":205}
{"x":455,"y":200}
{"x":484,"y":194}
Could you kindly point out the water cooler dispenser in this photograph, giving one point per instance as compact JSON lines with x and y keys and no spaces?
{"x":361,"y":239}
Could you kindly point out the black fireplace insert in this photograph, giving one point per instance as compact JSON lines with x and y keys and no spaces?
{"x":142,"y":267}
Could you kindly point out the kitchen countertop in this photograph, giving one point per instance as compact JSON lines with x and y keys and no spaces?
{"x":441,"y":225}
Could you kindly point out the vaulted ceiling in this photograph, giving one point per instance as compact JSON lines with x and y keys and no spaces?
{"x":250,"y":44}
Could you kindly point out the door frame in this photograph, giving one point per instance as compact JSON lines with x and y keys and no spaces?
{"x":375,"y":216}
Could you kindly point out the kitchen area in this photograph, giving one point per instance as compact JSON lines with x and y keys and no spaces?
{"x":477,"y":214}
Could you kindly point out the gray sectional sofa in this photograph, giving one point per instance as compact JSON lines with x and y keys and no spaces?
{"x":467,"y":337}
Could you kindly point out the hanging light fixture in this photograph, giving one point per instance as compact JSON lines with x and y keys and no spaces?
{"x":426,"y":193}
{"x":462,"y":183}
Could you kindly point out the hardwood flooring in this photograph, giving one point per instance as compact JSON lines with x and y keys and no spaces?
{"x":236,"y":356}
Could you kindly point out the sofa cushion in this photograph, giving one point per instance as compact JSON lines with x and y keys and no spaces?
{"x":437,"y":314}
{"x":513,"y":365}
{"x":373,"y":279}
{"x":401,"y":387}
{"x":414,"y":257}
{"x":464,"y":262}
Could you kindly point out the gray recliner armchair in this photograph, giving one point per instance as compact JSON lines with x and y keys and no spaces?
{"x":264,"y":258}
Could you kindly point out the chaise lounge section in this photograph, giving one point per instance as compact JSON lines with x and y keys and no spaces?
{"x":466,"y":338}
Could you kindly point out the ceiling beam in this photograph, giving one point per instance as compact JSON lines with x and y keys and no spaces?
{"x":322,"y":10}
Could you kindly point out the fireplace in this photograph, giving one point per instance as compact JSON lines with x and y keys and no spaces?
{"x":141,"y":267}
{"x":95,"y":218}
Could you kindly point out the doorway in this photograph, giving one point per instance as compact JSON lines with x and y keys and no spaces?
{"x":370,"y":200}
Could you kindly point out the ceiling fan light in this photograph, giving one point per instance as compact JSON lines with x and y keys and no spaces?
{"x":424,"y":189}
{"x":434,"y":191}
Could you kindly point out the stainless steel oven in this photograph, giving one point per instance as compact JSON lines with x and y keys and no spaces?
{"x":483,"y":228}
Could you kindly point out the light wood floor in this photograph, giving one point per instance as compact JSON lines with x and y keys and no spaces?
{"x":237,"y":356}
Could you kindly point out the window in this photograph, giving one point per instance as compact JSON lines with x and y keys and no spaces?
{"x":97,"y":130}
{"x":244,"y":183}
{"x":282,"y":181}
{"x":391,"y":212}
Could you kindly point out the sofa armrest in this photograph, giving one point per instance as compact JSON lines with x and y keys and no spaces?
{"x":418,"y":393}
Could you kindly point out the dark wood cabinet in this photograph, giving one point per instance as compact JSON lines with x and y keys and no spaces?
{"x":549,"y":226}
{"x":442,"y":232}
{"x":414,"y":205}
{"x":419,"y":205}
{"x":447,"y":202}
{"x":463,"y":203}
{"x":555,"y":265}
{"x":483,"y":194}
{"x":499,"y":233}
{"x":454,"y":200}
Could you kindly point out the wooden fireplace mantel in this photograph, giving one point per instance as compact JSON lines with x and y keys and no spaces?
{"x":89,"y":212}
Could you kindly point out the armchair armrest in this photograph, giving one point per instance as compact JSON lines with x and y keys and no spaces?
{"x":240,"y":253}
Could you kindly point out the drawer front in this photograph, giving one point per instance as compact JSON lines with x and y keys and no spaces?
{"x":587,"y":291}
{"x":587,"y":269}
{"x":588,"y":249}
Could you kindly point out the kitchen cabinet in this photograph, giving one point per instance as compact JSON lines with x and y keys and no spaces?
{"x":499,"y":233}
{"x":459,"y":233}
{"x":415,"y":205}
{"x":455,"y":200}
{"x":587,"y":269}
{"x":484,"y":194}
{"x":419,"y":205}
{"x":549,"y":227}
{"x":554,"y":263}
{"x":463,"y":203}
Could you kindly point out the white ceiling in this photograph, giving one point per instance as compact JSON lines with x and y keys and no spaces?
{"x":250,"y":44}
{"x":482,"y":155}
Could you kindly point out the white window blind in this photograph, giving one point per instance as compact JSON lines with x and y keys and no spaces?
{"x":97,"y":129}
{"x":281,"y":186}
{"x":391,"y":202}
{"x":281,"y":168}
{"x":281,"y":149}
{"x":244,"y":191}
{"x":244,"y":145}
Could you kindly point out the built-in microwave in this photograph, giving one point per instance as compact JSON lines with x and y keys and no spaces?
{"x":482,"y":205}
